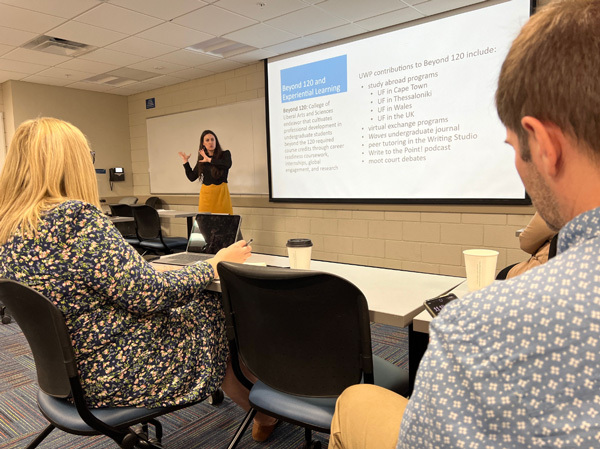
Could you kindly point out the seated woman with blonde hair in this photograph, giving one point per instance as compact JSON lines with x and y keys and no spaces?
{"x":141,"y":337}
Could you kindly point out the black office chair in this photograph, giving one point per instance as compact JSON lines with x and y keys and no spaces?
{"x":306,"y":336}
{"x":154,"y":202}
{"x":6,"y":318}
{"x":131,"y":200}
{"x":44,"y":327}
{"x":149,"y":232}
{"x":127,"y":229}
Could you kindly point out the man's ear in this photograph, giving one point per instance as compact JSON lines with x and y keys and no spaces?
{"x":546,"y":142}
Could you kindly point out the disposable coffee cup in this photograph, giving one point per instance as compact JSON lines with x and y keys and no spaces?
{"x":299,"y":251}
{"x":480,"y":265}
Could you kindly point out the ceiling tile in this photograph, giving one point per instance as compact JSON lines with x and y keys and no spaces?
{"x":39,"y":79}
{"x":437,"y":6}
{"x":86,"y":65}
{"x":141,"y":47}
{"x":6,"y":75}
{"x":416,"y":2}
{"x":26,"y":20}
{"x":187,"y":58}
{"x":118,"y":19}
{"x":167,"y":80}
{"x":260,"y":35}
{"x":162,"y":9}
{"x":63,"y":73}
{"x":354,"y":11}
{"x":306,"y":21}
{"x":91,"y":86}
{"x":213,"y":20}
{"x":86,"y":34}
{"x":62,"y":8}
{"x":190,"y":74}
{"x":222,"y":65}
{"x":334,"y":34}
{"x":156,"y":66}
{"x":145,"y":85}
{"x":36,"y":57}
{"x":253,"y":9}
{"x":293,"y":45}
{"x":175,"y":35}
{"x":10,"y":36}
{"x":112,"y":57}
{"x":20,"y":67}
{"x":253,"y":56}
{"x":391,"y":18}
{"x":128,"y":90}
{"x":5,"y":48}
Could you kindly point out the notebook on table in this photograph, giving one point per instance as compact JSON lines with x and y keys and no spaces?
{"x":209,"y":234}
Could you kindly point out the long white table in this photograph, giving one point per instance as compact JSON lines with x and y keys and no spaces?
{"x":394,"y":297}
{"x":170,"y":213}
{"x":119,"y":219}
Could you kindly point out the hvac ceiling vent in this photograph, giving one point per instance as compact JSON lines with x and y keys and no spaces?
{"x":122,"y":77}
{"x":58,"y":46}
{"x":220,"y":46}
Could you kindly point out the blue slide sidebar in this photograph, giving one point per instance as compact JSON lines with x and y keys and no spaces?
{"x":316,"y":79}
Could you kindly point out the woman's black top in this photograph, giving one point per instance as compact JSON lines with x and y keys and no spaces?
{"x":223,"y":163}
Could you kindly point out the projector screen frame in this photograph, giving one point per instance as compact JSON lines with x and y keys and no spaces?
{"x":526,"y":201}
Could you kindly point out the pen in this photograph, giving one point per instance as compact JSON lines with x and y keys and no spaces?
{"x":248,"y":242}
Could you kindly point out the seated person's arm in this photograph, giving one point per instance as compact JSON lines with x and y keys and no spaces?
{"x":114,"y":271}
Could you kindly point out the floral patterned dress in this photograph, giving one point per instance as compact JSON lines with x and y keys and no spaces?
{"x":141,"y":337}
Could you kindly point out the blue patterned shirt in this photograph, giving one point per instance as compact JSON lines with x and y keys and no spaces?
{"x":517,"y":364}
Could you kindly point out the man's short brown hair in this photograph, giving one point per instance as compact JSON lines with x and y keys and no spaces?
{"x":552,"y":73}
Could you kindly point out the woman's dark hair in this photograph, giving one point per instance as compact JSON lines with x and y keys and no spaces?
{"x":215,"y":171}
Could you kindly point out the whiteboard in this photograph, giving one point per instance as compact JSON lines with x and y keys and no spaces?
{"x":241,"y":129}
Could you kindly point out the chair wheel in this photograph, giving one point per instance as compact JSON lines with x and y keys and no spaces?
{"x":5,"y":318}
{"x":216,"y":398}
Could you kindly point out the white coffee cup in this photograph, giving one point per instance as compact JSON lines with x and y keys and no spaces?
{"x":480,"y":265}
{"x":299,"y":251}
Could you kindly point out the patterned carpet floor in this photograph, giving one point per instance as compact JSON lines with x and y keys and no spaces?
{"x":201,"y":426}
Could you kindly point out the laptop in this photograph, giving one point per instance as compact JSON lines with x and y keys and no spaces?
{"x":209,"y":234}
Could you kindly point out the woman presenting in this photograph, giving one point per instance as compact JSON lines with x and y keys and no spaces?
{"x":212,"y":168}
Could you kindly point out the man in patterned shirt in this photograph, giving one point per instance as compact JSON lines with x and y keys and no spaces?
{"x":517,"y":364}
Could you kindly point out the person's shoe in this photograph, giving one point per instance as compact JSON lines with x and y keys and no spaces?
{"x":261,"y":432}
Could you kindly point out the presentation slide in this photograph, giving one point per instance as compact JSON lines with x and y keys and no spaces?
{"x":404,"y":116}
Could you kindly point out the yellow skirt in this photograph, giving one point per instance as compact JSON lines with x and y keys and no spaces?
{"x":215,"y":199}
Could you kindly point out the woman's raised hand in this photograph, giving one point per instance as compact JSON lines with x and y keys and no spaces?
{"x":204,"y":157}
{"x":185,"y":157}
{"x":238,"y":252}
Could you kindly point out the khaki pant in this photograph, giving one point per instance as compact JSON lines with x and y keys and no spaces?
{"x":367,"y":417}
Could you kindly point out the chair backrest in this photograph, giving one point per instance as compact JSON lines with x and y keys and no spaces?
{"x":131,"y":200}
{"x":154,"y":202}
{"x":121,"y":210}
{"x":44,"y":327}
{"x":300,"y":332}
{"x":127,"y":229}
{"x":147,"y":222}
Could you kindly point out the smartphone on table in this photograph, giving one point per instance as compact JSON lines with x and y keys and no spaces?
{"x":435,"y":305}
